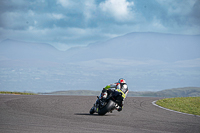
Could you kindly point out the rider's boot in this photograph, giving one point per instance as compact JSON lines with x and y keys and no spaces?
{"x":118,"y":108}
{"x":96,"y":105}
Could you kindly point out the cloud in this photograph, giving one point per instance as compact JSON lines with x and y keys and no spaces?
{"x":64,"y":3}
{"x":13,"y":20}
{"x":74,"y":22}
{"x":188,"y":63}
{"x":90,"y":9}
{"x":119,"y":9}
{"x":177,"y":7}
{"x":57,"y":16}
{"x":177,"y":14}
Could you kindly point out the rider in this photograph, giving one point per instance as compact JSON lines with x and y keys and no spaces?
{"x":121,"y":91}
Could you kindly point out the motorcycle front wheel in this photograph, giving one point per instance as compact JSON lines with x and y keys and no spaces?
{"x":92,"y":110}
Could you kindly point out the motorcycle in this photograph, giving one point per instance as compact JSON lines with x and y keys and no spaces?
{"x":108,"y":104}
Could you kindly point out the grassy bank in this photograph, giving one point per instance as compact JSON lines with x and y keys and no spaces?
{"x":190,"y":105}
{"x":17,"y":93}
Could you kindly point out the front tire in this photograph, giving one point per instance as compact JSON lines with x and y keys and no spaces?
{"x":92,"y":110}
{"x":110,"y":106}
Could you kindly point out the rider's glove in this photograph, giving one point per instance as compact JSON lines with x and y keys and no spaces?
{"x":104,"y":90}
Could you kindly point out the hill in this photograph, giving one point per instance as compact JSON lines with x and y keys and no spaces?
{"x":74,"y":92}
{"x":180,"y":92}
{"x":176,"y":92}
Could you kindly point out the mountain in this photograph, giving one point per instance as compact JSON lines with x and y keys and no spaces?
{"x":19,"y":53}
{"x":130,"y":47}
{"x":148,"y":61}
{"x":142,"y":46}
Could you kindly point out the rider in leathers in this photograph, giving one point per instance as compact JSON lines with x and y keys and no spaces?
{"x":120,"y":89}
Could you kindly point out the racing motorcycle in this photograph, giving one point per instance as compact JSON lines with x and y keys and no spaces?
{"x":108,"y":104}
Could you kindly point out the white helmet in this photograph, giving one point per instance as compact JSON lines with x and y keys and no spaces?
{"x":121,"y":80}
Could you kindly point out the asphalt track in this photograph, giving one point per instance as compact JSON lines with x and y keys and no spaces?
{"x":65,"y":114}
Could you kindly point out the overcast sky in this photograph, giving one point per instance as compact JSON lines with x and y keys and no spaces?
{"x":67,"y":23}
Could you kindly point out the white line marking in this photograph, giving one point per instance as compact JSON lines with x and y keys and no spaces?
{"x":154,"y":103}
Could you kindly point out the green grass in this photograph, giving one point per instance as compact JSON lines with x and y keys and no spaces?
{"x":190,"y":105}
{"x":17,"y":93}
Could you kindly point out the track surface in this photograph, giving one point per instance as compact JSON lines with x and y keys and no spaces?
{"x":62,"y":114}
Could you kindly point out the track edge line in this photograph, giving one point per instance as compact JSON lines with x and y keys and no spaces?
{"x":154,"y":103}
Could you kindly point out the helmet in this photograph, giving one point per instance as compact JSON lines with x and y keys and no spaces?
{"x":121,"y":80}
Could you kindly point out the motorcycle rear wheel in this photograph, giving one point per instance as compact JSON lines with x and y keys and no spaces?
{"x":110,"y":106}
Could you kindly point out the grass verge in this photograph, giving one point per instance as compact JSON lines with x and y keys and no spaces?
{"x":190,"y":105}
{"x":17,"y":93}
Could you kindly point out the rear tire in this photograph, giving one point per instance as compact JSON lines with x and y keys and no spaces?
{"x":107,"y":108}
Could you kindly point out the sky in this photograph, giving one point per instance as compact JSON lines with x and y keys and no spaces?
{"x":70,"y":23}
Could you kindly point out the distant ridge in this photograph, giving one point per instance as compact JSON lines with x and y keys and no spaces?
{"x":176,"y":92}
{"x":75,"y":92}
